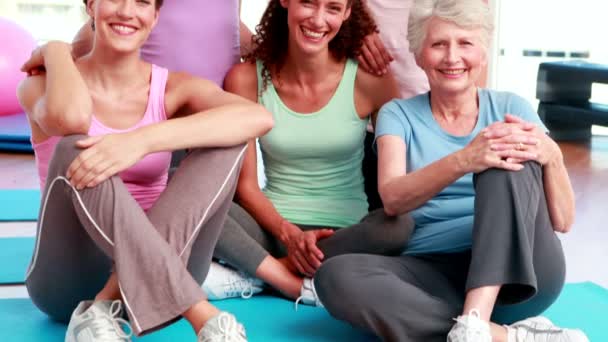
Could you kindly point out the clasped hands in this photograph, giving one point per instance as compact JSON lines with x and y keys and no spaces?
{"x":507,"y":145}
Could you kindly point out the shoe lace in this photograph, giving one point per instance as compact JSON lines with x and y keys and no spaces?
{"x":242,"y":287}
{"x":247,"y":292}
{"x":537,"y":329}
{"x":472,"y":331}
{"x":228,"y":328}
{"x":115,"y":329}
{"x":309,"y":294}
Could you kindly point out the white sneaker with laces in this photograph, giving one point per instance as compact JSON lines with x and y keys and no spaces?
{"x":225,"y":282}
{"x":222,"y":327}
{"x":470,"y":328}
{"x":541,"y":329}
{"x":308,"y":294}
{"x":98,"y":321}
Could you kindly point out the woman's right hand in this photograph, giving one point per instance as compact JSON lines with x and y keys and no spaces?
{"x":480,"y":154}
{"x":302,"y":250}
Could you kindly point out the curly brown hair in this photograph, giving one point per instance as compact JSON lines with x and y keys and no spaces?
{"x":158,"y":3}
{"x":270,"y":39}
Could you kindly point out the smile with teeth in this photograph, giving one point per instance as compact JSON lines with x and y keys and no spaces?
{"x":122,"y":29}
{"x":453,"y":71}
{"x":312,"y":34}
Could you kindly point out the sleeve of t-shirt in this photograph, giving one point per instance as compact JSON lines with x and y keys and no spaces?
{"x":391,"y":121}
{"x":521,"y":107}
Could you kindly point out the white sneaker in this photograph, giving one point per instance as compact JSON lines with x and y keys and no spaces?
{"x":470,"y":328}
{"x":308,"y":294}
{"x":98,"y":321}
{"x":541,"y":329}
{"x":224,"y":282}
{"x":222,"y":327}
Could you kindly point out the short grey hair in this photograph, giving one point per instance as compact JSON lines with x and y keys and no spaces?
{"x":468,"y":14}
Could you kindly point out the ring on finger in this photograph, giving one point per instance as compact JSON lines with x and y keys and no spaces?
{"x":519,"y":146}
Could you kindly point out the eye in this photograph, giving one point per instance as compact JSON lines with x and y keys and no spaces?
{"x":438,"y":44}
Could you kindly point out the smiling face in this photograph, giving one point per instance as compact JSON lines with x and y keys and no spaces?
{"x":451,"y":56}
{"x":122,"y":25}
{"x":314,"y":23}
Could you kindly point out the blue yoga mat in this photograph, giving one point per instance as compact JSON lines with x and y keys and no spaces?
{"x":19,"y":205}
{"x":15,"y":254}
{"x":14,"y":128}
{"x":266,"y":319}
{"x":582,"y":305}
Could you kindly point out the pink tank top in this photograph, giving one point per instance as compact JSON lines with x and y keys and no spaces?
{"x":145,"y":180}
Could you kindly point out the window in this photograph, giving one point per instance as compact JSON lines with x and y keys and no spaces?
{"x":532,"y":32}
{"x":46,"y":19}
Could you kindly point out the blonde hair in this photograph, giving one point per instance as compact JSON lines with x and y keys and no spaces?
{"x":469,"y":14}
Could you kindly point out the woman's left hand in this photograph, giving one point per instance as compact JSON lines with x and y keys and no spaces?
{"x":374,"y":57}
{"x":103,"y":157}
{"x":515,"y":134}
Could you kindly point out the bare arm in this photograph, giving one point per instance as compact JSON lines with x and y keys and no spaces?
{"x":58,"y":102}
{"x":402,"y":192}
{"x":242,"y":80}
{"x":220,"y":118}
{"x":245,"y":34}
{"x":559,"y":193}
{"x":83,"y":41}
{"x":372,"y":92}
{"x":303,"y":252}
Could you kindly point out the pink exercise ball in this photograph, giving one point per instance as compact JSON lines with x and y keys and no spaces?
{"x":16,"y":45}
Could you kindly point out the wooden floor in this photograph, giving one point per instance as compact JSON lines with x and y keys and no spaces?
{"x":586,"y":246}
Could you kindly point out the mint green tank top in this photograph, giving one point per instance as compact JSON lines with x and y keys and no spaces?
{"x":312,"y":161}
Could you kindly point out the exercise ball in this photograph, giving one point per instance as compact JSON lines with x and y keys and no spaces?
{"x":16,"y":45}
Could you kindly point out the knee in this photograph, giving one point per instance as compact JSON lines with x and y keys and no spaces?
{"x":65,"y":152}
{"x":219,"y":154}
{"x":54,"y":309}
{"x":393,"y":232}
{"x":532,"y":171}
{"x":335,"y":280}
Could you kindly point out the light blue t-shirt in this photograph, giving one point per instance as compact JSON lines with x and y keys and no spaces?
{"x":444,"y":224}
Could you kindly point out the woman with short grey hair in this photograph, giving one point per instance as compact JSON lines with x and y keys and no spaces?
{"x":487,"y":190}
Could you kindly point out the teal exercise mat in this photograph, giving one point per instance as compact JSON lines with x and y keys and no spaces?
{"x":14,"y":128}
{"x":19,"y":205}
{"x":583,"y":306}
{"x":15,"y":254}
{"x":266,"y":319}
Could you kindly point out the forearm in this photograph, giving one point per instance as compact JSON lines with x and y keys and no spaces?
{"x":407,"y":192}
{"x":265,"y":214}
{"x":83,"y":41}
{"x":222,"y":126}
{"x":68,"y":104}
{"x":245,"y":40}
{"x":559,"y":194}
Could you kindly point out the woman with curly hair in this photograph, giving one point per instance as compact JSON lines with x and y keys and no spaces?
{"x":303,"y":69}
